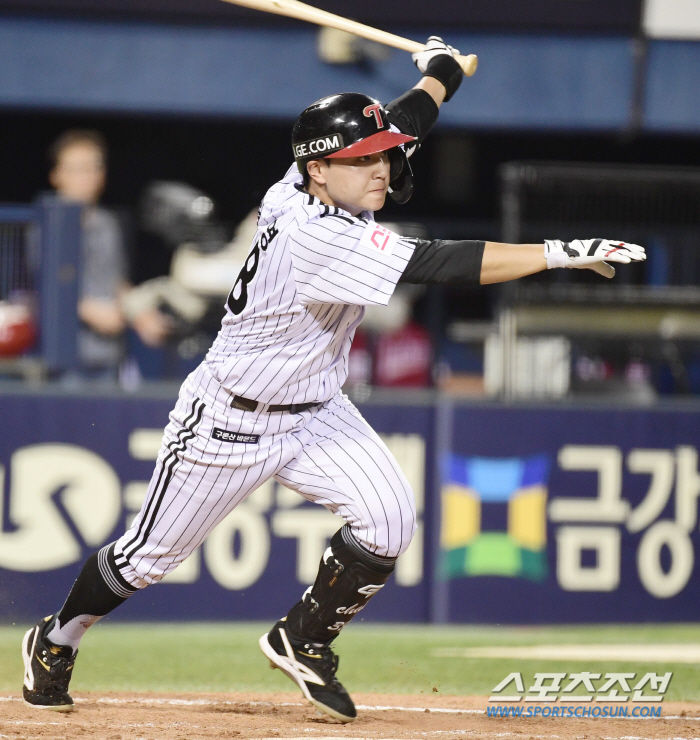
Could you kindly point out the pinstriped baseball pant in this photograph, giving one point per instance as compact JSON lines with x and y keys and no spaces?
{"x":329,"y":454}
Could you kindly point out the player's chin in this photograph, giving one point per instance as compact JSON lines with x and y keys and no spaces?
{"x":375,"y":200}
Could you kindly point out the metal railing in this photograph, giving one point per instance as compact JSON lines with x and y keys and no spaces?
{"x":15,"y":260}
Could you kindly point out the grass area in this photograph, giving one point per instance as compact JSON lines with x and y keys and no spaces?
{"x":374,"y":658}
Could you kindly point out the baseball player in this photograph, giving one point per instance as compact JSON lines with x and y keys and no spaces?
{"x":266,"y":401}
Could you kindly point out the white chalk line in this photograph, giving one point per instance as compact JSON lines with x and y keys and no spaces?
{"x":212,"y":702}
{"x":364,"y":707}
{"x":437,"y":710}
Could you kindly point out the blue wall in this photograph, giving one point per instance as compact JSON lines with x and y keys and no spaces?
{"x":673,"y":86}
{"x":524,"y":81}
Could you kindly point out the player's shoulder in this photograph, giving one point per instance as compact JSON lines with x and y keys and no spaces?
{"x":311,"y":219}
{"x":334,"y":217}
{"x":287,"y":203}
{"x":335,"y":231}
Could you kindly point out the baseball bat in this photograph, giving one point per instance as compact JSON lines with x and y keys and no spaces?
{"x":304,"y":12}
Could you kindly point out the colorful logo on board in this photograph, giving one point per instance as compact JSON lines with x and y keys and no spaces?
{"x":494,"y":517}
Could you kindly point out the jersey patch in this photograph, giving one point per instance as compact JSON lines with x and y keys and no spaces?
{"x":224,"y":435}
{"x":377,"y":239}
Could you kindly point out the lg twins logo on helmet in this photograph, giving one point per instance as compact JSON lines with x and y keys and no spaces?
{"x":374,"y":110}
{"x":319,"y":146}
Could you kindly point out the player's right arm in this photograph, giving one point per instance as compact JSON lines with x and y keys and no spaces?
{"x":416,"y":111}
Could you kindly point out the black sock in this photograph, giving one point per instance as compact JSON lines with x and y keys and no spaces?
{"x":98,"y":590}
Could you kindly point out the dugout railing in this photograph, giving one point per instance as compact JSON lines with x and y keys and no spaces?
{"x":39,"y":263}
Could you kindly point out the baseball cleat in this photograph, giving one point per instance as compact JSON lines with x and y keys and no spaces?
{"x":47,"y":670}
{"x":312,"y":668}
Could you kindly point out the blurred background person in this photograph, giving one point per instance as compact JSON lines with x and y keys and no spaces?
{"x":78,"y":175}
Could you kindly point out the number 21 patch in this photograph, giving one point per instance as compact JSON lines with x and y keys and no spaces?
{"x":377,"y":239}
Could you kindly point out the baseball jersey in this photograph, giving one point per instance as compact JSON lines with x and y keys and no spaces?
{"x":292,"y":313}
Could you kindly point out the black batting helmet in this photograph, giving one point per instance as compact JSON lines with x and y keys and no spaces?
{"x":352,"y":125}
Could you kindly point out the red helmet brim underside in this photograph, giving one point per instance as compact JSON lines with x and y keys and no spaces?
{"x":379,"y":142}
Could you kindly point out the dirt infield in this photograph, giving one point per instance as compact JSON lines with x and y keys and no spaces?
{"x":121,"y":716}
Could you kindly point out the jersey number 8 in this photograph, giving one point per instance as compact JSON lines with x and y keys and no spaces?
{"x":250,"y":267}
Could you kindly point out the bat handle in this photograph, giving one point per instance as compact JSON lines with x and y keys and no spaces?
{"x":467,"y":63}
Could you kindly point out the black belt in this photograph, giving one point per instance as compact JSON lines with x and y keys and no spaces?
{"x":246,"y":404}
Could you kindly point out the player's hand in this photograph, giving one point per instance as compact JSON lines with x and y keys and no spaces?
{"x":437,"y":60}
{"x":591,"y":254}
{"x":433,"y":47}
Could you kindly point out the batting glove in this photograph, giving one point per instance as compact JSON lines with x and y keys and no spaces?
{"x":589,"y":254}
{"x":437,"y":60}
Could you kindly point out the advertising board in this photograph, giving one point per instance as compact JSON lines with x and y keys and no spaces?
{"x":557,"y":514}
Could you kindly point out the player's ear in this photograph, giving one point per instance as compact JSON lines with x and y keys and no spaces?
{"x":315,"y":170}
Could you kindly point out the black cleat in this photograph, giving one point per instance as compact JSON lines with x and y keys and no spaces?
{"x":312,"y":669}
{"x":47,"y":670}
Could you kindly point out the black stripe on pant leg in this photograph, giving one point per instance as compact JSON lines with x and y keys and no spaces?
{"x":143,"y":537}
{"x":172,"y":446}
{"x":224,"y":494}
{"x":170,"y":456}
{"x":158,"y":497}
{"x":164,"y":464}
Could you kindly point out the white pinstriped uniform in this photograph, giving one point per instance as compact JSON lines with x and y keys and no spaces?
{"x":290,"y":342}
{"x":285,"y":339}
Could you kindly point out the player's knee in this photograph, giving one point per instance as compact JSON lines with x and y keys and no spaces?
{"x":390,"y":533}
{"x":349,"y":548}
{"x":147,"y":571}
{"x":138,"y":568}
{"x":139,"y":575}
{"x":391,"y":538}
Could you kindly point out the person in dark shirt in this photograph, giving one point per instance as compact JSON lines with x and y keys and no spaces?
{"x":78,"y":175}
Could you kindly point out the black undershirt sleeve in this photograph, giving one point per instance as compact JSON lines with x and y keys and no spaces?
{"x":436,"y":262}
{"x":441,"y":262}
{"x":413,"y":113}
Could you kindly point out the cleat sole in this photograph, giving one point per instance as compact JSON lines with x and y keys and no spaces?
{"x":63,"y":708}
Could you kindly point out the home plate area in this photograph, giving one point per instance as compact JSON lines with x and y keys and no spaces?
{"x":128,"y":716}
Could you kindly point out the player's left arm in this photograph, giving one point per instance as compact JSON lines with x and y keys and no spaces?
{"x":440,"y":262}
{"x":416,"y":111}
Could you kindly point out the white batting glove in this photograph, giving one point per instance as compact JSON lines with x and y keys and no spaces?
{"x":434,"y":47}
{"x":589,"y":254}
